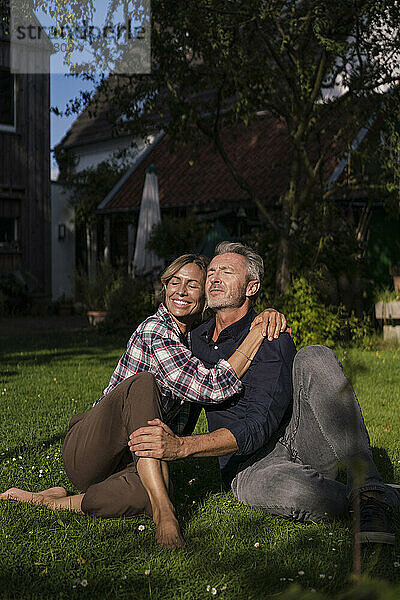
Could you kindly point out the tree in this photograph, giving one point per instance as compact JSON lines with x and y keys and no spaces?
{"x":217,"y":64}
{"x":318,"y":65}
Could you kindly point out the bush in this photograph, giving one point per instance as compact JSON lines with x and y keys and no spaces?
{"x":131,"y":301}
{"x":314,"y":322}
{"x":96,"y":293}
{"x":16,"y":293}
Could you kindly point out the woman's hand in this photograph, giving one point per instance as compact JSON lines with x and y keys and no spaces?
{"x":272,"y":323}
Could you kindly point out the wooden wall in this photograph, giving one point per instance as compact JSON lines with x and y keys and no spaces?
{"x":25,"y":180}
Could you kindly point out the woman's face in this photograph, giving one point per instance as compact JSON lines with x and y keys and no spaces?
{"x":184,"y":294}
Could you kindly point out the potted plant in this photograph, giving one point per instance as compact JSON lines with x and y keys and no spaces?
{"x":95,"y":293}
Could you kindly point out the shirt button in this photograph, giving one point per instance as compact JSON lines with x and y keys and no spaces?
{"x":215,"y":347}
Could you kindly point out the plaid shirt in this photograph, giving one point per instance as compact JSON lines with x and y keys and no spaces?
{"x":159,"y":347}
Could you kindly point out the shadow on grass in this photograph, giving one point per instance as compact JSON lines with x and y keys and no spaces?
{"x":383,"y":464}
{"x":67,"y":342}
{"x":32,"y":448}
{"x":208,"y":559}
{"x":352,"y":368}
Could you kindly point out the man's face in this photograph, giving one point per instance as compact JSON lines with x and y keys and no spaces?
{"x":226,"y":283}
{"x":184,"y":294}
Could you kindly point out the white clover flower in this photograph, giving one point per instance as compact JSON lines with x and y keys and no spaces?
{"x":301,"y":573}
{"x":147,"y":572}
{"x":141,"y":527}
{"x":123,"y":577}
{"x":396,"y":564}
{"x":213,"y":591}
{"x":208,"y":588}
{"x":84,"y":582}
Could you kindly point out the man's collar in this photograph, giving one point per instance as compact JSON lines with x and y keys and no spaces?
{"x":233,"y":331}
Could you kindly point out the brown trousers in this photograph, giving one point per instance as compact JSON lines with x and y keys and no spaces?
{"x":96,"y":455}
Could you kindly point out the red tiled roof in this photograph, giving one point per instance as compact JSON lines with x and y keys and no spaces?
{"x":259,"y":151}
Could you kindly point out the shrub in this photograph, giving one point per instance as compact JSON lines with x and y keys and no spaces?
{"x":96,"y":293}
{"x":131,"y":301}
{"x":16,"y":290}
{"x":314,"y":322}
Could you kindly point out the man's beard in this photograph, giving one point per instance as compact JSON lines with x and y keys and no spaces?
{"x":235,"y":299}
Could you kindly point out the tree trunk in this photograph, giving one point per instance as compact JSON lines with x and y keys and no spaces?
{"x":91,"y":245}
{"x":107,"y":239}
{"x":282,"y":281}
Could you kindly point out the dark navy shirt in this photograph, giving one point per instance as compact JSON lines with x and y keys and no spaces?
{"x":253,"y":415}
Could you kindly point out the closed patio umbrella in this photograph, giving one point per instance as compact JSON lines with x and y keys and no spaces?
{"x":145,"y":261}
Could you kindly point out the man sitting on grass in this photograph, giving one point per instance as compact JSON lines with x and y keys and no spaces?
{"x":283,"y":439}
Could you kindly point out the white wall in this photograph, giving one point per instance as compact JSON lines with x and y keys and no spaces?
{"x":62,"y":250}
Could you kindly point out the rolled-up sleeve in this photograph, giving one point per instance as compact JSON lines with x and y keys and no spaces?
{"x":187,"y":377}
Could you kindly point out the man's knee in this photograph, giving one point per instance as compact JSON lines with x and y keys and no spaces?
{"x":314,"y":359}
{"x":293,"y":491}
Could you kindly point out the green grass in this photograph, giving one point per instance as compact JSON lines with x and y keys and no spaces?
{"x":44,"y":554}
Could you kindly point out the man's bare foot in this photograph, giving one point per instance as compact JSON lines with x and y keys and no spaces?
{"x":168,"y":532}
{"x":34,"y":497}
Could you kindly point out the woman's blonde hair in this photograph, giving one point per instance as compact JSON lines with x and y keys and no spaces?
{"x":177,"y":264}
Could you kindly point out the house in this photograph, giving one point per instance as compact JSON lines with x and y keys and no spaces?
{"x":25,"y":235}
{"x":195,"y":179}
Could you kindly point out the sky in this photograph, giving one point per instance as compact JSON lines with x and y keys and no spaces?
{"x":62,"y":89}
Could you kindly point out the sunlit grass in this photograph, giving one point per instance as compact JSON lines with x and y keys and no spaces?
{"x":231,"y":551}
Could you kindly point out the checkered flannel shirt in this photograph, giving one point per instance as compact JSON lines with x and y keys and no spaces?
{"x":159,"y":347}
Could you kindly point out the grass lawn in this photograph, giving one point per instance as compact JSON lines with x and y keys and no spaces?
{"x":231,"y":551}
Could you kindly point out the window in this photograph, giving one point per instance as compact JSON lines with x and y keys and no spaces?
{"x":9,"y":232}
{"x":7,"y":100}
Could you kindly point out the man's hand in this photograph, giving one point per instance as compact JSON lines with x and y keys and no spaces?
{"x":155,"y":441}
{"x":272,"y":323}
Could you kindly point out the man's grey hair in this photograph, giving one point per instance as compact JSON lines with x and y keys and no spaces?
{"x":255,"y":264}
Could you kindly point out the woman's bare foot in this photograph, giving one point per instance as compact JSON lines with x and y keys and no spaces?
{"x":34,"y":497}
{"x":168,"y":532}
{"x":55,"y":498}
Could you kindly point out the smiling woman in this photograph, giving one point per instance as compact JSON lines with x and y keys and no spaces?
{"x":183,"y":283}
{"x":159,"y":378}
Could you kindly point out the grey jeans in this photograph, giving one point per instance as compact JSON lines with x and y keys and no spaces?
{"x":326,"y":433}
